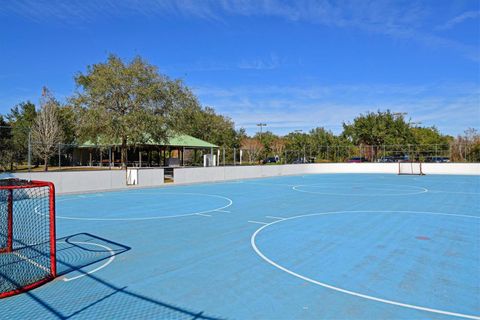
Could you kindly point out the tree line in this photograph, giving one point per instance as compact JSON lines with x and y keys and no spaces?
{"x":115,"y":102}
{"x":372,"y":134}
{"x":131,"y":102}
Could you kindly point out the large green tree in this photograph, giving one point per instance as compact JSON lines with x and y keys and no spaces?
{"x":204,"y":123}
{"x":21,"y":118}
{"x":429,"y":136}
{"x":6,"y":145}
{"x":379,"y":128}
{"x":124,"y":102}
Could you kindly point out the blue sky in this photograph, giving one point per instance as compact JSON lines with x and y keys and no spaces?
{"x":293,"y":65}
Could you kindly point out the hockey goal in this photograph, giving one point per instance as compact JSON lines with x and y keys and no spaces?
{"x":414,"y":168}
{"x":27,"y":235}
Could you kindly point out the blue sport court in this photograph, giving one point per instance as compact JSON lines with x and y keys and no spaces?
{"x":332,"y":246}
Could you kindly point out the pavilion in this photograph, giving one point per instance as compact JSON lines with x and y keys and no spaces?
{"x":178,"y":150}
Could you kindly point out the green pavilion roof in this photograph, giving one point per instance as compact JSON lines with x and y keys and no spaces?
{"x":177,"y":140}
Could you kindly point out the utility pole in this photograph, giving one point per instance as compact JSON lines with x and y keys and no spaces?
{"x":261,"y":125}
{"x":304,"y":144}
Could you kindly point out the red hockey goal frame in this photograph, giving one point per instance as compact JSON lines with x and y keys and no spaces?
{"x":25,"y":265}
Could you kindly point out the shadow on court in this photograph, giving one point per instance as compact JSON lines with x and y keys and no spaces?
{"x":92,"y":296}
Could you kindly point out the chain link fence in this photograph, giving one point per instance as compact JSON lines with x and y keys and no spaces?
{"x":20,"y":155}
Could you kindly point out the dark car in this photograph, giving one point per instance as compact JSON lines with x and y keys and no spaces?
{"x":386,"y":159}
{"x":389,"y":159}
{"x":357,"y":160}
{"x":299,"y":160}
{"x":439,"y":159}
{"x":270,"y":160}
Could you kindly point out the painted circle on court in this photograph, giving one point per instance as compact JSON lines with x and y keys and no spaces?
{"x":359,"y":189}
{"x":135,"y":206}
{"x":376,"y":255}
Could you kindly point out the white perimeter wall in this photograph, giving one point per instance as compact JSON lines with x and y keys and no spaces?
{"x":101,"y":180}
{"x":91,"y":181}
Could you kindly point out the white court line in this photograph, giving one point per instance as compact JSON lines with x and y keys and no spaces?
{"x":223,"y":211}
{"x":269,"y":184}
{"x":353,"y":293}
{"x":36,"y":264}
{"x":203,"y":215}
{"x":400,"y":193}
{"x":278,"y":218}
{"x":230,"y":202}
{"x":110,"y":260}
{"x":258,"y":222}
{"x":454,"y":192}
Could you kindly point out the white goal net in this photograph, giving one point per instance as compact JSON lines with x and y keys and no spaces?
{"x":410,"y":168}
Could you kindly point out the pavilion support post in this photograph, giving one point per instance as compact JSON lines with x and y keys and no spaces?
{"x":183,"y":156}
{"x":139,"y":158}
{"x":212,"y":163}
{"x":109,"y":157}
{"x":90,"y":157}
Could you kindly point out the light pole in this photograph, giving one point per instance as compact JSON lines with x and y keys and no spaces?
{"x":299,"y":131}
{"x":261,"y":125}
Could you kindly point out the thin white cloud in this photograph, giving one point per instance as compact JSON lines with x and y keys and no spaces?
{"x":452,"y":108}
{"x":459,"y":19}
{"x":385,"y":17}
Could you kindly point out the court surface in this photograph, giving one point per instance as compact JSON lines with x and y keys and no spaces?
{"x":334,"y":246}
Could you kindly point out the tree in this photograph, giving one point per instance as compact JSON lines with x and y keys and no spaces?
{"x":67,"y":118}
{"x":429,"y":136}
{"x":266,"y":138}
{"x":253,"y":147}
{"x":6,"y":145}
{"x":466,"y":147}
{"x":46,"y":131}
{"x":204,"y":123}
{"x":380,"y":128}
{"x":21,"y":119}
{"x":126,"y":103}
{"x":278,"y":146}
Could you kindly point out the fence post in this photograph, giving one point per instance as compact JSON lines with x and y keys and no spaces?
{"x":59,"y":157}
{"x":29,"y":150}
{"x":234,"y":156}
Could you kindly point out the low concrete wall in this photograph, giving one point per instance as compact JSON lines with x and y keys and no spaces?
{"x":150,"y":177}
{"x":78,"y":181}
{"x":214,"y":174}
{"x":451,"y":168}
{"x":91,"y":181}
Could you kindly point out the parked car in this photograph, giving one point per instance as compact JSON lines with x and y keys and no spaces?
{"x":389,"y":159}
{"x":438,"y":159}
{"x":270,"y":160}
{"x":386,"y":159}
{"x":357,"y":160}
{"x":299,"y":160}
